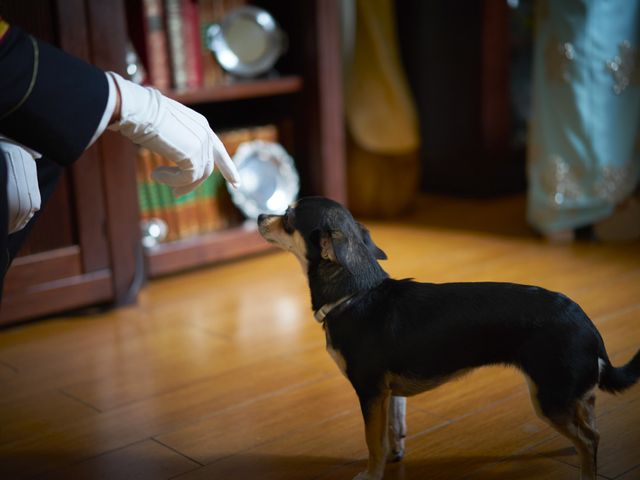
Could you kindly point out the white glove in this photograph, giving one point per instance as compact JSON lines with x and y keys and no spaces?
{"x":174,"y":131}
{"x":23,"y":193}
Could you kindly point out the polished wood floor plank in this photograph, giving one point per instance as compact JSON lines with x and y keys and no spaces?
{"x":632,"y":474}
{"x":527,"y":467}
{"x":162,"y":363}
{"x":7,"y":372}
{"x":154,"y":416}
{"x":140,"y":461}
{"x":222,"y":372}
{"x":119,"y":356}
{"x":301,"y":409}
{"x":301,"y":455}
{"x":304,"y":453}
{"x":36,"y":415}
{"x":620,"y":331}
{"x":232,"y":430}
{"x":166,"y":367}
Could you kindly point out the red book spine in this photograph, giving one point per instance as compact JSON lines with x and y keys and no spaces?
{"x":155,"y":44}
{"x":191,"y":32}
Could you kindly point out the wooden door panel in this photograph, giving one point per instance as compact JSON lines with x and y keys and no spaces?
{"x":54,"y":228}
{"x":65,"y":262}
{"x":57,"y":295}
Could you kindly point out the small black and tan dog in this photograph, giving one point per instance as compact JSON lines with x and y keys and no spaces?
{"x":397,"y":338}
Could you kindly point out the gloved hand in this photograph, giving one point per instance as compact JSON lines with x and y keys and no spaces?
{"x":174,"y":131}
{"x":23,"y":193}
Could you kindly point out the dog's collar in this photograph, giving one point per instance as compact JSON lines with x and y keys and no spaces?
{"x":324,"y":310}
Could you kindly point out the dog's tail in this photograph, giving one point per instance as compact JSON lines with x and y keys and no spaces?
{"x":618,"y":379}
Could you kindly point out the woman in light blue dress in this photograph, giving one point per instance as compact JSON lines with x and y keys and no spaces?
{"x":584,"y":141}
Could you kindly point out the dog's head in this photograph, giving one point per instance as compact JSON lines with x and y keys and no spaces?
{"x":326,"y":239}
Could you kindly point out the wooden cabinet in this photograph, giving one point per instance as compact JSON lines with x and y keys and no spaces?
{"x":85,"y":249}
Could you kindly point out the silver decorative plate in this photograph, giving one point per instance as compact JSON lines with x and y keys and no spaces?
{"x":270,"y":182}
{"x":247,"y":42}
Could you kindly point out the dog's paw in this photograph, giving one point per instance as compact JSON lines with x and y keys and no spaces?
{"x":395,"y":455}
{"x":396,"y":449}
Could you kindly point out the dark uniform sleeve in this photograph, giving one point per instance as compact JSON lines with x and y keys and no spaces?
{"x":50,"y":101}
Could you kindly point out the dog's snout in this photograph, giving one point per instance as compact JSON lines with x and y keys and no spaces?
{"x":264,"y":224}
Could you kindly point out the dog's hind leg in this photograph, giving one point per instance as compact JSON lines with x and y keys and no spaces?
{"x":397,"y":428}
{"x":375,"y":410}
{"x":587,"y":412}
{"x":577,"y":422}
{"x":585,"y":420}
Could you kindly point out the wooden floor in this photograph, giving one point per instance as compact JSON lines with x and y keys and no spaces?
{"x":222,"y":374}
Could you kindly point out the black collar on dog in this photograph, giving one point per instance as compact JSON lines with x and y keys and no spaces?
{"x":326,"y":309}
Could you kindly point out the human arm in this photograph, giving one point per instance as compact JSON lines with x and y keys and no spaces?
{"x":58,"y":105}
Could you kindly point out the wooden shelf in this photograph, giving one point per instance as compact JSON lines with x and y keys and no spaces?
{"x":204,"y":249}
{"x":239,"y":90}
{"x":84,"y":250}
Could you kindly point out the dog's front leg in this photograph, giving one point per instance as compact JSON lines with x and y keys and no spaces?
{"x":375,"y":410}
{"x":397,"y":428}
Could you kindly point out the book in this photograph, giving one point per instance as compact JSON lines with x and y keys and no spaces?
{"x":152,"y":193}
{"x":142,"y":183}
{"x":164,"y":200}
{"x":185,"y":46}
{"x":146,"y":29}
{"x":185,"y":208}
{"x":207,"y":203}
{"x":192,"y":43}
{"x":175,"y":34}
{"x":205,"y":220}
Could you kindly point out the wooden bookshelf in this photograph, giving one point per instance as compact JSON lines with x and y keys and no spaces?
{"x":200,"y":250}
{"x":240,"y":90}
{"x":85,"y":249}
{"x":314,"y":105}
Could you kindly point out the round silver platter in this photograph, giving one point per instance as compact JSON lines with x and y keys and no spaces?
{"x":269,"y":180}
{"x":247,"y":42}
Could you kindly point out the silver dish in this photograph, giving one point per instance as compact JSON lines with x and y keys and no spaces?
{"x":154,"y":231}
{"x":247,"y":42}
{"x":269,"y":180}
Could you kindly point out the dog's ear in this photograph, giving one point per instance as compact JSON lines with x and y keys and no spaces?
{"x":333,"y":246}
{"x":373,"y":248}
{"x":338,"y":248}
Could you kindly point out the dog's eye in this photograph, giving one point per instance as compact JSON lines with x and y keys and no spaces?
{"x":287,"y":223}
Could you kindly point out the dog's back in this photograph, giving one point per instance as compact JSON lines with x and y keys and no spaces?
{"x":433,"y":330}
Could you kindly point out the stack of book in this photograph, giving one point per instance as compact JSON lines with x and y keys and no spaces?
{"x":208,"y":207}
{"x":169,"y":37}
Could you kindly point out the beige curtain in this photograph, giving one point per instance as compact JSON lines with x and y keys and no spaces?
{"x":381,"y":118}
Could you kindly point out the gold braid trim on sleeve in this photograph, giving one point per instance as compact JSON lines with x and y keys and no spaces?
{"x":34,"y":75}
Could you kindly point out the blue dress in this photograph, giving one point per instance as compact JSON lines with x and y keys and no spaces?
{"x":584,"y":141}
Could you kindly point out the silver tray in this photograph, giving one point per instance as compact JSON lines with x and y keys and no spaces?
{"x":247,"y":42}
{"x":269,"y":180}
